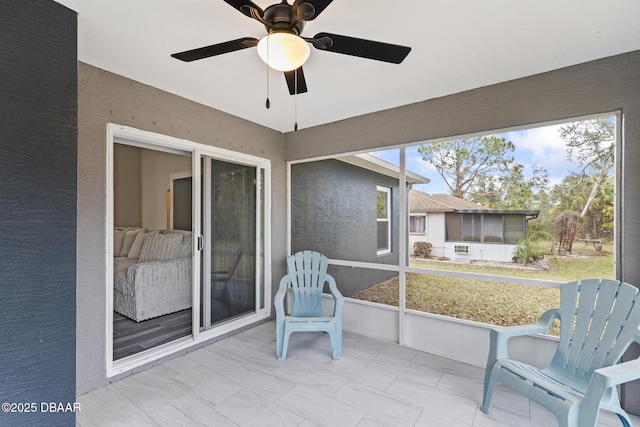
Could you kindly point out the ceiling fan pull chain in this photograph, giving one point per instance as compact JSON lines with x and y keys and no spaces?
{"x":295,"y":84}
{"x":267,"y":103}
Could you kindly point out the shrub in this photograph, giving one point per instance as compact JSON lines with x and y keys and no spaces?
{"x":422,"y":249}
{"x":525,"y":253}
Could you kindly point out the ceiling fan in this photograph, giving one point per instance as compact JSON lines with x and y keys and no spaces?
{"x":284,"y":49}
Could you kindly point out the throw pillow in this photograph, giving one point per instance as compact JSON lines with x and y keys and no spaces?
{"x":160,"y":247}
{"x":129,"y":238}
{"x":136,"y":246}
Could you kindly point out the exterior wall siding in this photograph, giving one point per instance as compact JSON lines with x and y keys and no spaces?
{"x":38,"y":146}
{"x":333,"y":211}
{"x":480,"y":251}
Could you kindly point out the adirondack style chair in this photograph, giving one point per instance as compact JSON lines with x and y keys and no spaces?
{"x":307,"y":274}
{"x":599,"y":320}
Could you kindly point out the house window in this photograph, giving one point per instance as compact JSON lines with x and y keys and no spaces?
{"x":514,"y":227}
{"x":492,"y":229}
{"x":417,"y":224}
{"x":383,"y":204}
{"x":484,"y":228}
{"x":471,"y":228}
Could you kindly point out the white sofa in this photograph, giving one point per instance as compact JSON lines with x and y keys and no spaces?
{"x":152,"y":272}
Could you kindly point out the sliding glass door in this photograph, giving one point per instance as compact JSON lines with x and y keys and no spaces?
{"x":187,"y":239}
{"x":229,"y":259}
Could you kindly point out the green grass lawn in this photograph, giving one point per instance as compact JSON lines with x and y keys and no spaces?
{"x":492,"y":302}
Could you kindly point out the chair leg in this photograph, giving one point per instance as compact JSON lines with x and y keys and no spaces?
{"x":489,"y":385}
{"x":279,"y":339}
{"x":285,"y":345}
{"x":336,"y":343}
{"x":624,"y":419}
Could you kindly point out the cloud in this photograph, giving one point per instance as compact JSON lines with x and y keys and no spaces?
{"x":542,"y":146}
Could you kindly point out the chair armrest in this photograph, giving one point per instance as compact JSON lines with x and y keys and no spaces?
{"x":337,"y":296}
{"x":602,"y":381}
{"x":620,"y":373}
{"x":500,"y":335}
{"x":278,"y":299}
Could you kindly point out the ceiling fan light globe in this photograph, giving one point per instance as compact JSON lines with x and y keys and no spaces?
{"x":283,"y":51}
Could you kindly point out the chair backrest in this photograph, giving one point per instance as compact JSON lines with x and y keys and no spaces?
{"x":307,"y":271}
{"x":599,"y":320}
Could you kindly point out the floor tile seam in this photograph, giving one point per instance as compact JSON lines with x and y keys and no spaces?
{"x":187,"y":415}
{"x":282,"y":405}
{"x":185,"y":387}
{"x":211,"y":405}
{"x":294,"y":384}
{"x":146,"y":412}
{"x":121,"y":397}
{"x":140,"y":408}
{"x":457,"y":396}
{"x":386,"y":394}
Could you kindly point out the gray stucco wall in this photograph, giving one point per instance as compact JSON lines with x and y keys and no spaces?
{"x":38,"y":144}
{"x":606,"y":85}
{"x":103,"y":98}
{"x":333,"y":211}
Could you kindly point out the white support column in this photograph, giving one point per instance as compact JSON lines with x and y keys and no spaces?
{"x":402,"y":250}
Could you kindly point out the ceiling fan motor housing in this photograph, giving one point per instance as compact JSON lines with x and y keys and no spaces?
{"x":280,"y":16}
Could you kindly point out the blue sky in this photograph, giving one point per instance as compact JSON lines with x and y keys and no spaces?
{"x":541,"y":145}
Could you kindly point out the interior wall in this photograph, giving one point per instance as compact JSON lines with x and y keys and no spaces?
{"x":606,"y":85}
{"x":38,"y":144}
{"x":155,"y":167}
{"x":104,"y":98}
{"x":127,"y":187}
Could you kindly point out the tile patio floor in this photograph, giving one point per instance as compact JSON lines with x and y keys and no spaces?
{"x":239,"y":382}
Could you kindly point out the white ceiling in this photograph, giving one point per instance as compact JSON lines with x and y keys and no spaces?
{"x":456,"y":45}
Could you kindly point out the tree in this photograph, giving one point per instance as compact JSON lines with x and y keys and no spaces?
{"x":483,"y":170}
{"x":572,"y":194}
{"x":592,"y":143}
{"x":513,"y":189}
{"x":463,"y":163}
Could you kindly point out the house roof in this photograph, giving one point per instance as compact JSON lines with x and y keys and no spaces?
{"x":383,"y":167}
{"x":421,"y":202}
{"x":455,"y":46}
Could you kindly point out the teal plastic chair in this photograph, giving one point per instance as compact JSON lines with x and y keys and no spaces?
{"x":599,"y":320}
{"x":307,"y":274}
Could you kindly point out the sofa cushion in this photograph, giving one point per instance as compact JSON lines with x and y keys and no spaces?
{"x":136,"y":246}
{"x":160,"y":247}
{"x":129,"y":238}
{"x":118,"y":241}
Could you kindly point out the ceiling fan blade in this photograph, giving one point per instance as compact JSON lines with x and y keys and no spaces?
{"x":245,"y":7}
{"x":292,"y":79}
{"x":216,"y":49}
{"x":360,"y":47}
{"x":308,"y":10}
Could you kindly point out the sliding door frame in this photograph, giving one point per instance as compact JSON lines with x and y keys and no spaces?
{"x":144,"y":139}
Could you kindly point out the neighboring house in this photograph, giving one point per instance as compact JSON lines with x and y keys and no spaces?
{"x":462,"y":230}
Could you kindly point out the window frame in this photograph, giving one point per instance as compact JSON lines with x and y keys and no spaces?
{"x":423,"y":231}
{"x":387,"y":220}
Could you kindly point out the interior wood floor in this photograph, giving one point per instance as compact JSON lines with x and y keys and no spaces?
{"x":131,"y":337}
